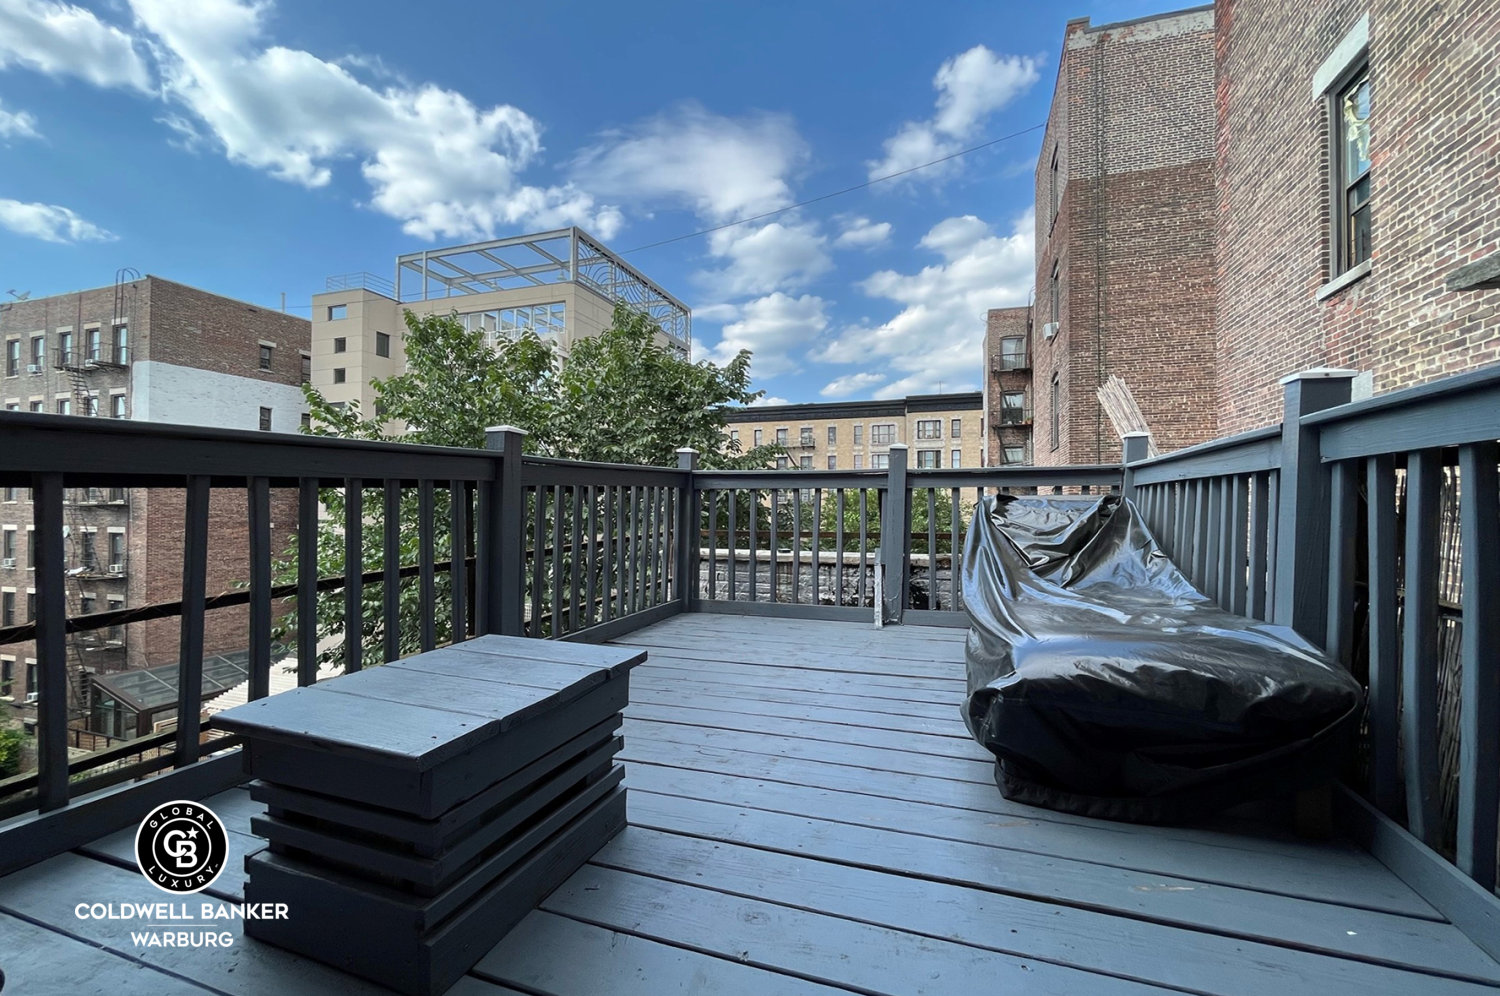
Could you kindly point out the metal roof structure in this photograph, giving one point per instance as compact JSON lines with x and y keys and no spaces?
{"x":566,"y":255}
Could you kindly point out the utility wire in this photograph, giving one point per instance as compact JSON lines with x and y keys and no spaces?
{"x":837,"y":193}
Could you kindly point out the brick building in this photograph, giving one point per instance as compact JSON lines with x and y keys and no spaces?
{"x":152,"y":350}
{"x":942,"y":430}
{"x":1358,"y":173}
{"x":1007,"y":386}
{"x":1125,"y":237}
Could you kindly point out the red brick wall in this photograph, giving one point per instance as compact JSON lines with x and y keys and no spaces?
{"x":1004,"y":323}
{"x":1435,"y":146}
{"x":1133,"y":104}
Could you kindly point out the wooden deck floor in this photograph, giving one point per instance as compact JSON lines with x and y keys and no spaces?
{"x":808,"y":815}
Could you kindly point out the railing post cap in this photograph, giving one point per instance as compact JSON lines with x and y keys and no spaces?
{"x":1135,"y":434}
{"x":506,"y":428}
{"x":1319,"y":373}
{"x":687,"y":449}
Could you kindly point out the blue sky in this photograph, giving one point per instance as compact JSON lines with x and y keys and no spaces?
{"x":255,"y":149}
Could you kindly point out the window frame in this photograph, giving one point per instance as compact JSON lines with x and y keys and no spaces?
{"x":338,"y":312}
{"x":955,"y":459}
{"x":1343,"y":251}
{"x":929,"y":428}
{"x":929,"y":459}
{"x":265,"y":355}
{"x":264,"y":423}
{"x":833,"y":435}
{"x":887,"y":437}
{"x":1056,"y":411}
{"x":383,"y":344}
{"x":340,"y":375}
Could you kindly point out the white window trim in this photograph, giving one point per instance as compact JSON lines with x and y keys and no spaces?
{"x":265,"y":342}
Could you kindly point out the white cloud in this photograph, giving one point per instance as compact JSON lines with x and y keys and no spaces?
{"x":971,"y":86}
{"x":771,"y":328}
{"x":935,"y":340}
{"x":721,"y":168}
{"x":765,"y":401}
{"x":862,"y":233}
{"x":60,"y":39}
{"x":17,"y":124}
{"x":779,"y":255}
{"x":852,"y":384}
{"x":49,"y":222}
{"x":441,"y":165}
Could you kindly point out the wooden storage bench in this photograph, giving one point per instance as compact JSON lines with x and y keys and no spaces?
{"x":418,"y":810}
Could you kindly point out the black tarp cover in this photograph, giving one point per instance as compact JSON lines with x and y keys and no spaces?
{"x":1107,"y":685}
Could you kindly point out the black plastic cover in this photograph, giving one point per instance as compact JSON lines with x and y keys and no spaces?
{"x":1107,"y":685}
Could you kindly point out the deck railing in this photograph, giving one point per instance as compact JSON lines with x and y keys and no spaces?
{"x":1372,"y":528}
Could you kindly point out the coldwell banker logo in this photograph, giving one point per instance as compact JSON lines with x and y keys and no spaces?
{"x":181,"y":847}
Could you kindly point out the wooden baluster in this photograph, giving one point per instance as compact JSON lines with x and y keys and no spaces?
{"x":1479,"y":712}
{"x":1420,"y":646}
{"x":426,"y":556}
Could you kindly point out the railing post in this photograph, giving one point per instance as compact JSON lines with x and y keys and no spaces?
{"x":51,"y":644}
{"x":1137,"y":446}
{"x":895,"y":538}
{"x":1301,"y":587}
{"x":502,"y":543}
{"x":688,"y":517}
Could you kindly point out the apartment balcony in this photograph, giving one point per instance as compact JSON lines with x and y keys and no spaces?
{"x":1007,"y":417}
{"x":1008,"y":362}
{"x":807,"y":812}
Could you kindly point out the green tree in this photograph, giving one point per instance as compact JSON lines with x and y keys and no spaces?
{"x":620,"y":397}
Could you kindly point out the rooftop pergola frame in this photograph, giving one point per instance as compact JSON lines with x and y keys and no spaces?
{"x":556,"y":257}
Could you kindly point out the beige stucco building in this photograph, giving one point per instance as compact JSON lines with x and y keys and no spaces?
{"x":941,"y":431}
{"x":563,"y":284}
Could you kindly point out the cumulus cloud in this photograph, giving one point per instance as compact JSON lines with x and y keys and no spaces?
{"x":60,"y":39}
{"x":17,"y":124}
{"x":49,"y":222}
{"x":771,"y":328}
{"x":779,"y":255}
{"x":721,"y":168}
{"x":852,"y":384}
{"x":433,"y":159}
{"x":765,"y":401}
{"x":971,"y":86}
{"x":862,"y":233}
{"x":936,"y":337}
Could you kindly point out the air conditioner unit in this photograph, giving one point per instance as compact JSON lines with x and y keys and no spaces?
{"x":1049,"y":330}
{"x":116,"y":568}
{"x":33,"y":368}
{"x":8,"y":562}
{"x":30,"y":697}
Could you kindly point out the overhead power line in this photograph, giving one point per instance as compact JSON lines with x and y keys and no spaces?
{"x":838,"y":193}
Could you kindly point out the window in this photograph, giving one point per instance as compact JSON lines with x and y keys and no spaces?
{"x":94,"y":343}
{"x":116,"y":494}
{"x":306,"y":368}
{"x":265,"y":420}
{"x":859,"y":435}
{"x":1055,"y":187}
{"x":1056,"y":412}
{"x":759,"y":435}
{"x":930,"y":428}
{"x":833,"y":462}
{"x":7,"y":671}
{"x":956,"y":429}
{"x":734,"y":435}
{"x":338,"y":375}
{"x":31,"y":606}
{"x":116,"y":551}
{"x":1351,"y":159}
{"x":340,"y":344}
{"x":64,"y":406}
{"x":382,"y":344}
{"x":928,"y":459}
{"x":1013,"y":408}
{"x":956,"y":458}
{"x":93,"y":401}
{"x":265,"y":356}
{"x":781,"y":437}
{"x":85,"y":604}
{"x":833,"y":435}
{"x":65,"y":347}
{"x":880,"y":461}
{"x":86,"y":556}
{"x":782,"y":462}
{"x":859,"y":461}
{"x":1055,"y":290}
{"x":31,"y":549}
{"x":806,"y":463}
{"x":882,"y":435}
{"x":122,"y":344}
{"x":37,"y":406}
{"x":1013,"y":353}
{"x":306,"y":421}
{"x":13,"y":358}
{"x":116,"y":633}
{"x":8,"y":545}
{"x":117,"y":406}
{"x":806,"y":438}
{"x":10,"y":494}
{"x":1013,"y":453}
{"x":337,"y":311}
{"x":31,"y":685}
{"x":339,"y":406}
{"x":38,"y":352}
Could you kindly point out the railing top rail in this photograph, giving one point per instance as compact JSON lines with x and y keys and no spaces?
{"x":1476,"y":380}
{"x":545,"y":461}
{"x":1212,"y":446}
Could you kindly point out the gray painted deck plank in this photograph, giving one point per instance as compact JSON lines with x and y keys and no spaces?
{"x":940,"y":691}
{"x":1339,"y":930}
{"x":822,"y":709}
{"x":119,"y":850}
{"x":934,"y":665}
{"x":1134,"y":949}
{"x":1366,"y":884}
{"x":979,"y":796}
{"x":834,"y":950}
{"x":662,"y":680}
{"x":41,"y":962}
{"x":556,"y":956}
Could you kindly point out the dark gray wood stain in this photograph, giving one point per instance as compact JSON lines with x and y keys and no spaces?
{"x":807,"y":817}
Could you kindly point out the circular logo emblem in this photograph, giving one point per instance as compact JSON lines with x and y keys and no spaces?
{"x":181,"y":846}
